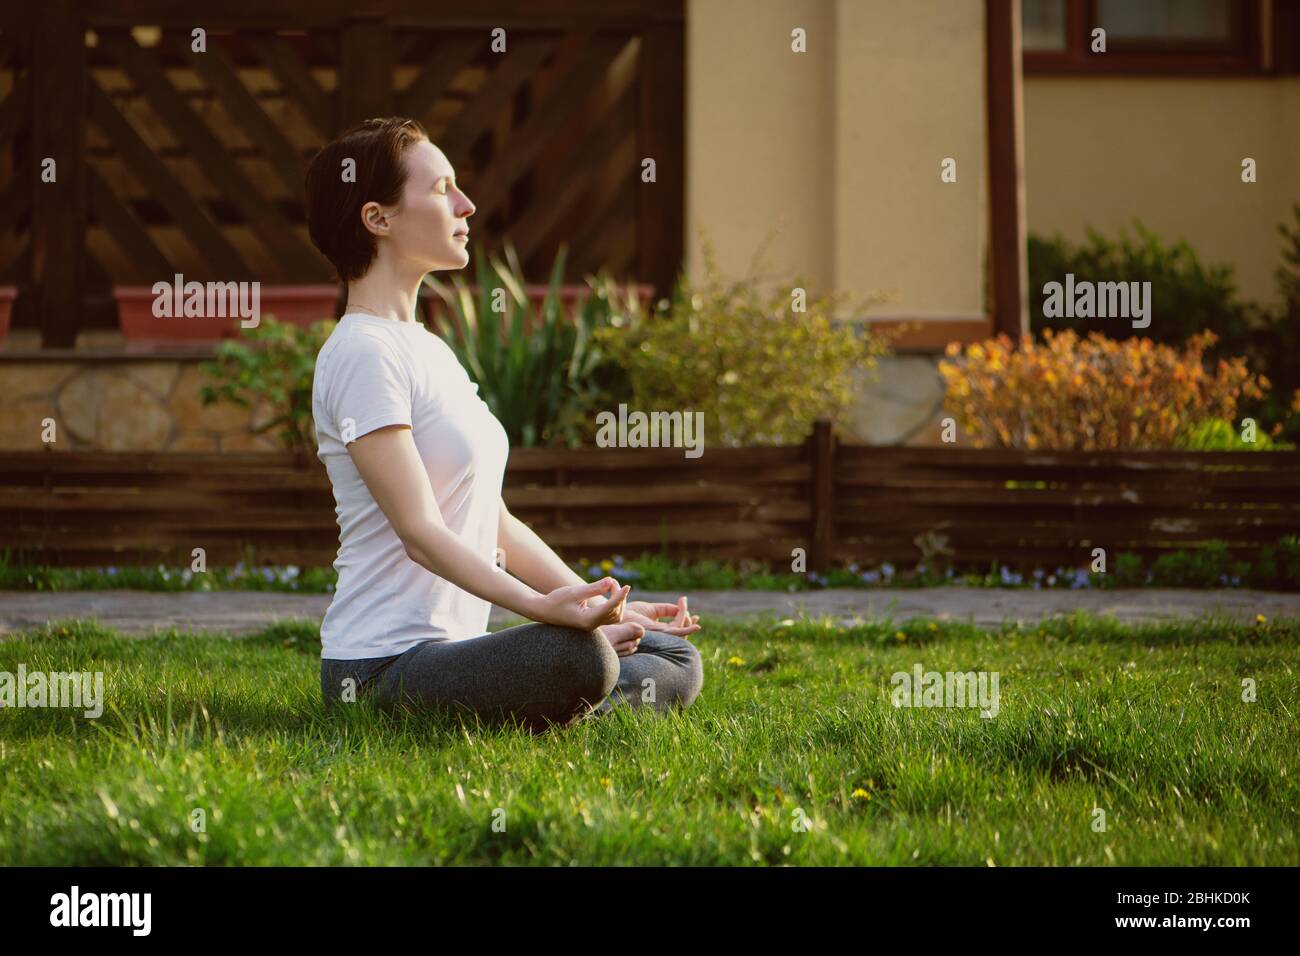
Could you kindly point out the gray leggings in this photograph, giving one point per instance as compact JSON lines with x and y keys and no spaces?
{"x":538,"y":674}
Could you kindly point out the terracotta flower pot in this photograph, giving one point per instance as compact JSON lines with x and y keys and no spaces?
{"x":7,"y":295}
{"x":299,"y":305}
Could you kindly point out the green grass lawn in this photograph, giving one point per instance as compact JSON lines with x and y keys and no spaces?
{"x":795,"y":724}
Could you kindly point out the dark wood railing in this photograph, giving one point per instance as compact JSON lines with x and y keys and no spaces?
{"x":171,"y":160}
{"x":841,"y":503}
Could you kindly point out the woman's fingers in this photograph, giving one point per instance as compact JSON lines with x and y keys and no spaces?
{"x":663,"y":610}
{"x":624,"y":638}
{"x":610,"y":612}
{"x":686,"y":622}
{"x":595,"y":588}
{"x":617,"y":601}
{"x":679,"y":630}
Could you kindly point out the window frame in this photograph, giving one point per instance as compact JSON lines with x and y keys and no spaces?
{"x":1242,"y":54}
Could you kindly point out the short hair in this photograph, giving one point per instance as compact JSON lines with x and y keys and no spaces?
{"x":334,"y":202}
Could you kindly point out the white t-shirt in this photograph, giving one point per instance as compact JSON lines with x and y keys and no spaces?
{"x":373,"y":372}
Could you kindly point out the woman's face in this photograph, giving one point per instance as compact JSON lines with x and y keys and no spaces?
{"x":429,"y":229}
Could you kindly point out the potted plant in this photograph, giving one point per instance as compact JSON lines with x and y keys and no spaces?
{"x":536,"y":367}
{"x":569,"y":297}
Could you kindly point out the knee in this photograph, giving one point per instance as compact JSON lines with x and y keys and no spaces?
{"x":592,"y":662}
{"x":682,"y":682}
{"x":694,"y":683}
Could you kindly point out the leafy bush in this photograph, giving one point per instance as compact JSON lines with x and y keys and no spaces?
{"x":760,"y":372}
{"x":1088,"y":394}
{"x":543,"y":377}
{"x":1187,"y":297}
{"x":1208,"y":567}
{"x":1278,"y":566}
{"x":274,"y":362}
{"x":1129,"y":572}
{"x":1276,"y":343}
{"x":1213,"y":434}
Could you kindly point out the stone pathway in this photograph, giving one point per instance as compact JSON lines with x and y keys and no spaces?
{"x":244,"y":612}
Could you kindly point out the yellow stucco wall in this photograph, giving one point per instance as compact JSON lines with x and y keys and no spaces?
{"x":759,"y":136}
{"x":1100,"y":151}
{"x":840,"y":148}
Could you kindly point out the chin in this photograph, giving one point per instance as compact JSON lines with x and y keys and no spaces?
{"x":457,"y":259}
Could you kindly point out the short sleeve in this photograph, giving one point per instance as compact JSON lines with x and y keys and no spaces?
{"x":370,"y":387}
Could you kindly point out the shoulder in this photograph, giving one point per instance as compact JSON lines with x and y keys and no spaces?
{"x":362,"y":347}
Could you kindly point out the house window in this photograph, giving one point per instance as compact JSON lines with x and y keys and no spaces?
{"x":1153,"y":36}
{"x":1043,"y":25}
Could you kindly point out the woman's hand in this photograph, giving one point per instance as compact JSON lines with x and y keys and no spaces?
{"x":567,"y":606}
{"x":624,"y":637}
{"x":638,"y":616}
{"x":647,"y":615}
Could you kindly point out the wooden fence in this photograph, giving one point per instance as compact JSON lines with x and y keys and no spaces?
{"x":842,"y":503}
{"x":173,"y":159}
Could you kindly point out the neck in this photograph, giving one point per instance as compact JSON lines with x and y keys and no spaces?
{"x":386,"y":290}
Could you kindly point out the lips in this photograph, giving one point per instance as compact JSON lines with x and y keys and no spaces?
{"x":462,"y":234}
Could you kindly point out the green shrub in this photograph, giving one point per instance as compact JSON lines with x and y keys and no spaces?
{"x":1186,"y":296}
{"x":1129,"y":571}
{"x":1278,"y":566}
{"x":1214,"y":434}
{"x":273,"y":362}
{"x":1207,"y":567}
{"x":1276,"y":342}
{"x":760,"y":372}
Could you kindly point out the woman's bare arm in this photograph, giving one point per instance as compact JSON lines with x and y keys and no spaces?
{"x":537,"y":564}
{"x":390,"y":465}
{"x":530,"y":558}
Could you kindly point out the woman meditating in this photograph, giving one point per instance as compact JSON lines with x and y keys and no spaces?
{"x":416,"y":460}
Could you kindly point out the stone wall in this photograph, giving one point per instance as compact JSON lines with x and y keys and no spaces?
{"x":900,"y":404}
{"x":119,"y":404}
{"x":101,"y":398}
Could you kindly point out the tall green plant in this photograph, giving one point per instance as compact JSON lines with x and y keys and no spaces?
{"x":541,"y":374}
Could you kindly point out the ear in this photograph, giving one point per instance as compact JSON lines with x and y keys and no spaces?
{"x":374,"y":218}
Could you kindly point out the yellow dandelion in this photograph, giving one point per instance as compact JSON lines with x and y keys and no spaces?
{"x":900,"y":636}
{"x":605,"y":781}
{"x":735,"y":661}
{"x":860,"y":794}
{"x":1260,"y":619}
{"x":606,"y":565}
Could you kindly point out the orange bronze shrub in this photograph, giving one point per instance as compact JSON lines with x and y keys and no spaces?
{"x":1089,"y":394}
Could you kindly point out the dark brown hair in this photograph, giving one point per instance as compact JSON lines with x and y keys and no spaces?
{"x":334,"y":203}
